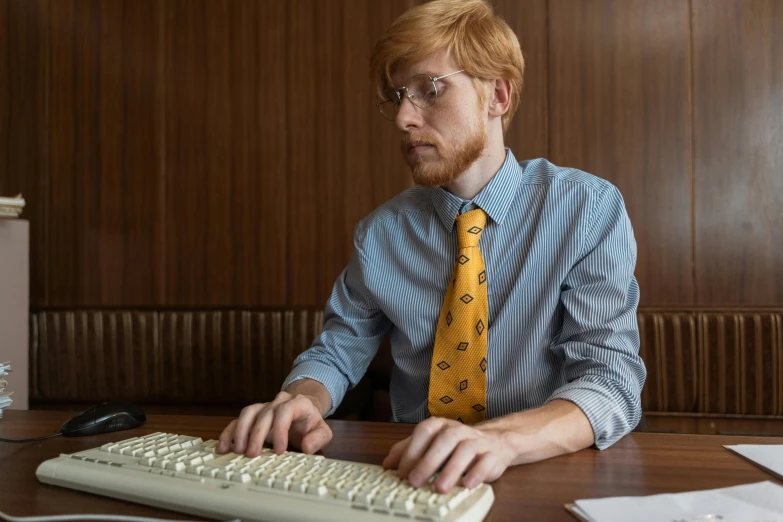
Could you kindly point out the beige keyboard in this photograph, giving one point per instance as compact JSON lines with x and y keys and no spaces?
{"x":186,"y":474}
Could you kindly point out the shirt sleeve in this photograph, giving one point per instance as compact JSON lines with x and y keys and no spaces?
{"x":599,"y":338}
{"x":354,"y":328}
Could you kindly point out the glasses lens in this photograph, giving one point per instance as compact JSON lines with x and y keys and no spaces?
{"x":389,"y":109}
{"x":388,"y":103}
{"x":421,"y":91}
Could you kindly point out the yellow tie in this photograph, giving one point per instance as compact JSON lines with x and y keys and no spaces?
{"x":458,"y":376}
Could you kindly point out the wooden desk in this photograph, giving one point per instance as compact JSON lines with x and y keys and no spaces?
{"x":639,"y":464}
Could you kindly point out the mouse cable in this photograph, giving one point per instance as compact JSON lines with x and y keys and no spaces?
{"x":30,"y":440}
{"x":69,"y":518}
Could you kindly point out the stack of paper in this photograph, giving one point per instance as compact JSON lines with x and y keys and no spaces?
{"x":5,"y":397}
{"x":766,"y":456}
{"x":748,"y":503}
{"x":11,"y":207}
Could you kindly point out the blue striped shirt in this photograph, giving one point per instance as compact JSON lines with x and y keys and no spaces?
{"x":559,"y":253}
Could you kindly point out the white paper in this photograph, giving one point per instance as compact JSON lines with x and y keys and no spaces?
{"x":762,"y":501}
{"x":5,"y":396}
{"x":11,"y":207}
{"x":768,"y":456}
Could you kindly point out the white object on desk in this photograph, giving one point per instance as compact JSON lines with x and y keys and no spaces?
{"x":11,"y":207}
{"x":746,"y":503}
{"x":185,"y":473}
{"x":767,"y":456}
{"x":15,"y":306}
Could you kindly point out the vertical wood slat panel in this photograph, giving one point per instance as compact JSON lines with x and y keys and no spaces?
{"x":104,"y":219}
{"x":738,"y":151}
{"x":226,"y":167}
{"x":669,"y":348}
{"x":223,"y":356}
{"x":698,"y":362}
{"x":232,"y":356}
{"x":619,"y":99}
{"x":527,"y":137}
{"x":343,"y":156}
{"x":90,"y":355}
{"x":742,"y":363}
{"x":24,"y":125}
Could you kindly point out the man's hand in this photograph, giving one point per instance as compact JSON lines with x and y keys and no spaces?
{"x":293,"y":418}
{"x":481,"y":455}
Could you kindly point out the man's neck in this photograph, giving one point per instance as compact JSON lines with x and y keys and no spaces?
{"x":470,"y":182}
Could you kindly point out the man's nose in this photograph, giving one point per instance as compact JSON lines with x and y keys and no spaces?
{"x":408,"y":116}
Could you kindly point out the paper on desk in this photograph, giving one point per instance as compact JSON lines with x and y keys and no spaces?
{"x":762,"y":501}
{"x":5,"y":397}
{"x":11,"y":207}
{"x":767,"y":456}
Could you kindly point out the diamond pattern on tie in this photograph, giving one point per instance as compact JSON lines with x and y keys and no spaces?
{"x":458,"y":376}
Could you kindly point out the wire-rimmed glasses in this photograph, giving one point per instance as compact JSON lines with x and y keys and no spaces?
{"x":420,"y":89}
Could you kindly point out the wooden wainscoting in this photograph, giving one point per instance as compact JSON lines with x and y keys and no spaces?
{"x":709,"y":371}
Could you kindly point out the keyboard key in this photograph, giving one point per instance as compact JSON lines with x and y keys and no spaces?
{"x":403,"y":503}
{"x":243,"y":478}
{"x":147,"y":461}
{"x":316,"y":490}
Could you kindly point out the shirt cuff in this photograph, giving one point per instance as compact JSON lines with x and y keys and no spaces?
{"x":334,"y":381}
{"x":609,"y":420}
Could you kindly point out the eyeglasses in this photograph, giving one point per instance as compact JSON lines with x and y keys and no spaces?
{"x":421,"y":90}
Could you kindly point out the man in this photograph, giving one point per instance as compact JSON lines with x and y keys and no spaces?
{"x":507,"y":288}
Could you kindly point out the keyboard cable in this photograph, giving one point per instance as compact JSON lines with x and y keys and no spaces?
{"x":109,"y":518}
{"x":32,"y":440}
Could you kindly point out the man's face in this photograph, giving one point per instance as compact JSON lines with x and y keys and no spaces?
{"x":442,"y":141}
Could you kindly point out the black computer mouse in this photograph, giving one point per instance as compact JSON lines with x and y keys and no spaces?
{"x":106,"y":417}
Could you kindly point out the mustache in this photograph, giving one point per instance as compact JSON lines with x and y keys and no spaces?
{"x":418,"y":139}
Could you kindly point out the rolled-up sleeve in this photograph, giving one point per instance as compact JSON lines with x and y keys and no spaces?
{"x":599,"y":339}
{"x":353,"y":330}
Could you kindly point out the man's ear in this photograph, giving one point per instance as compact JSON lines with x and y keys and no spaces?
{"x":499,"y":97}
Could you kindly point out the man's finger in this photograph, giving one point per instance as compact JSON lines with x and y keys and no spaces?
{"x":486,"y":469}
{"x":422,"y":437}
{"x":318,"y":437}
{"x":224,"y":442}
{"x":392,"y":460}
{"x":461,"y":459}
{"x":438,"y":452}
{"x":259,"y":432}
{"x":245,"y":421}
{"x":285,"y":415}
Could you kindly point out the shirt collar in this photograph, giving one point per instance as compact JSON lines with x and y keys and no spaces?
{"x":495,"y":198}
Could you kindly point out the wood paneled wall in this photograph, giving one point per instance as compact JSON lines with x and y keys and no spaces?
{"x":205,"y":153}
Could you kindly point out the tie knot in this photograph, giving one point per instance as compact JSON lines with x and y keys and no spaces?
{"x":470,"y":225}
